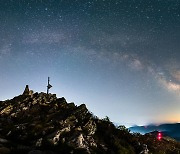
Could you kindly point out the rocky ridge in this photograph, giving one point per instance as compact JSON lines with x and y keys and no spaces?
{"x":40,"y":123}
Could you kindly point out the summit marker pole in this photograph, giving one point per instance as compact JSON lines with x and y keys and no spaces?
{"x":48,"y":86}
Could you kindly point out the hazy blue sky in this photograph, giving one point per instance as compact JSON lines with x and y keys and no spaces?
{"x":119,"y":57}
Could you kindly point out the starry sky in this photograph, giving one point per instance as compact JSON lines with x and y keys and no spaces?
{"x":119,"y":57}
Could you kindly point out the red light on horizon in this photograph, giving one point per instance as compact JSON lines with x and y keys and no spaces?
{"x":159,"y":136}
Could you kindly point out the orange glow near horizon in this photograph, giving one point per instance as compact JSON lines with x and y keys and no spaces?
{"x":175,"y":118}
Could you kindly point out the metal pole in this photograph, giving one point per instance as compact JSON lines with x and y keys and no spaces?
{"x":48,"y":86}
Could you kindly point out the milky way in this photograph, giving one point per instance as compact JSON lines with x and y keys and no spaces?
{"x":120,"y":57}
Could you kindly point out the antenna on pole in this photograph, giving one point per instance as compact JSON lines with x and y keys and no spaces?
{"x":48,"y":86}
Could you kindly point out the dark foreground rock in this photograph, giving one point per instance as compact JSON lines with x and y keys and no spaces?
{"x":40,"y":123}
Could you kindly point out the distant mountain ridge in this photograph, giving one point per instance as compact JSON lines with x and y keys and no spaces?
{"x":171,"y":129}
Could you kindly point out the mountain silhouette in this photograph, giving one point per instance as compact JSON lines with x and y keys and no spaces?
{"x":40,"y":123}
{"x":172,"y":130}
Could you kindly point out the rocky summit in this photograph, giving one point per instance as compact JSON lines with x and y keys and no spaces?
{"x":40,"y":123}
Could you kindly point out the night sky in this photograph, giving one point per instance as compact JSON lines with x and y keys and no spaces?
{"x":119,"y":57}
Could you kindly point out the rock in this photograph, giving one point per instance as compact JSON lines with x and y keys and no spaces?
{"x":23,"y":147}
{"x":145,"y":149}
{"x":81,"y":141}
{"x":39,"y":142}
{"x":7,"y":110}
{"x":3,"y":140}
{"x":56,"y":136}
{"x":31,"y":93}
{"x":4,"y":150}
{"x":104,"y":147}
{"x":91,"y":141}
{"x":48,"y":152}
{"x":90,"y":126}
{"x":35,"y":152}
{"x":26,"y":90}
{"x":78,"y":128}
{"x":9,"y":133}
